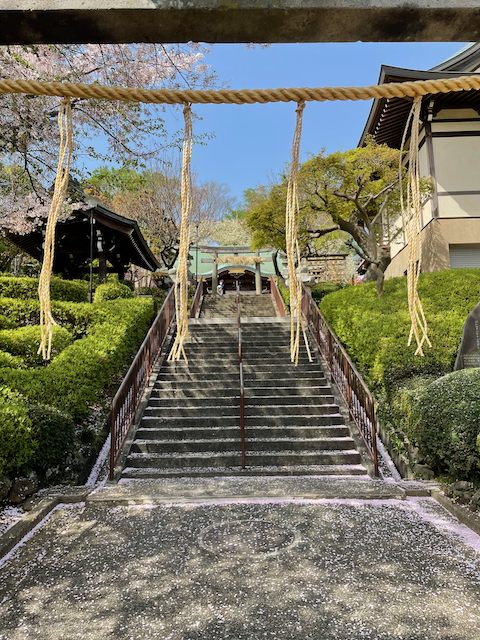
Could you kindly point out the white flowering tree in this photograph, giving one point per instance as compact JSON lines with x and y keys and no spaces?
{"x":28,"y":124}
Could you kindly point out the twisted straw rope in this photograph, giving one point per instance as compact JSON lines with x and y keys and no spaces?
{"x":181,"y":284}
{"x":411,"y":217}
{"x":243,"y":96}
{"x":60,"y":191}
{"x":291,"y":237}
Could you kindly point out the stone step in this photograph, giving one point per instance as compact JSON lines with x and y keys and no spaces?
{"x":232,"y":400}
{"x":232,"y":409}
{"x":150,"y":419}
{"x":214,"y":433}
{"x":234,"y":445}
{"x":250,"y":375}
{"x":199,"y":472}
{"x":273,"y":395}
{"x":182,"y":381}
{"x":255,"y":458}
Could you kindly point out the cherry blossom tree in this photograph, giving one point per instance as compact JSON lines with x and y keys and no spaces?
{"x":152,"y":198}
{"x":28,"y":125}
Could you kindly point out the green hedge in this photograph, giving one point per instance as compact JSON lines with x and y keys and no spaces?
{"x":25,"y":341}
{"x":27,"y":288}
{"x":17,"y":442}
{"x":74,"y":380}
{"x":54,"y":432}
{"x":445,"y":423}
{"x":322,"y":289}
{"x":375,"y":330}
{"x":112,"y":291}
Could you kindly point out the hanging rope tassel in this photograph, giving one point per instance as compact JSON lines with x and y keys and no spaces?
{"x":411,"y":217}
{"x":60,"y":191}
{"x":293,"y":253}
{"x":181,"y":285}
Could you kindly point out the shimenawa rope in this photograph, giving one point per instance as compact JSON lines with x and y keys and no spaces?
{"x":181,"y":283}
{"x":243,"y":96}
{"x":60,"y":191}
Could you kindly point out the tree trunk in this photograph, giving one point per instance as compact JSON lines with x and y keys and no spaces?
{"x":278,"y":273}
{"x":376,"y":273}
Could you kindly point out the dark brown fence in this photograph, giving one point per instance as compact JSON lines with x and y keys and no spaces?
{"x":349,"y":382}
{"x":277,"y":297}
{"x":127,"y":398}
{"x":197,"y":298}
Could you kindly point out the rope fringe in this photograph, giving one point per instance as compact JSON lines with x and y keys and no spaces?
{"x":293,"y":252}
{"x":411,"y":217}
{"x":60,"y":191}
{"x":181,"y":284}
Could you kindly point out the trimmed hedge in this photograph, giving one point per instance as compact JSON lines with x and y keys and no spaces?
{"x":25,"y":341}
{"x":55,"y":434}
{"x":322,"y":289}
{"x":27,"y":289}
{"x":375,"y":330}
{"x":17,"y":442}
{"x":74,"y":380}
{"x":112,"y":291}
{"x":445,"y":423}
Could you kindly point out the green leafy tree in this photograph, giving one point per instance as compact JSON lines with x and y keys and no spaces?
{"x":355,"y":192}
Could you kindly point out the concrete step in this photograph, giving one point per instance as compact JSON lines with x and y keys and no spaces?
{"x":198,"y":472}
{"x":232,"y":400}
{"x":215,"y":433}
{"x":255,"y":458}
{"x":151,"y":419}
{"x":234,"y":445}
{"x":274,"y":395}
{"x":232,"y":409}
{"x":254,"y":381}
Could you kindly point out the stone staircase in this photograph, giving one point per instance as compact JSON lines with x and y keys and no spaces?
{"x":251,"y":305}
{"x":191,"y":425}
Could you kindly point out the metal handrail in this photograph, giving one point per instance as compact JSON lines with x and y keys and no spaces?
{"x":277,"y":297}
{"x":127,"y":399}
{"x":240,"y":371}
{"x":353,"y":389}
{"x":197,"y":298}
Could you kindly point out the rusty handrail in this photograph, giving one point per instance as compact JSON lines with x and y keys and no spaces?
{"x":197,"y":298}
{"x":353,"y":389}
{"x":240,"y":371}
{"x":126,"y":400}
{"x":277,"y":297}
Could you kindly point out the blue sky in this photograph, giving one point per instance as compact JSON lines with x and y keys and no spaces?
{"x":252,"y":141}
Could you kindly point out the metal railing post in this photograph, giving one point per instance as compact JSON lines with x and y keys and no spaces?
{"x":240,"y":373}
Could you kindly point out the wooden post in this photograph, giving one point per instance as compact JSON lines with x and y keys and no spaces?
{"x":215,"y":274}
{"x":258,"y":276}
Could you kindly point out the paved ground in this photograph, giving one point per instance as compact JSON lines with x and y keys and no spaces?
{"x":288,"y":569}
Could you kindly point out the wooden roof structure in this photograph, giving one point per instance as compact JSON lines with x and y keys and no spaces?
{"x":388,"y":116}
{"x":118,"y":238}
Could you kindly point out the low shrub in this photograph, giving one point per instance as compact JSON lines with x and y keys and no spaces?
{"x":445,"y":423}
{"x":285,"y":293}
{"x":75,"y":378}
{"x":55,"y":434}
{"x":375,"y":330}
{"x":112,"y":291}
{"x":322,"y":289}
{"x":27,"y":288}
{"x":25,"y":341}
{"x":17,"y":443}
{"x":156,"y":292}
{"x":7,"y":360}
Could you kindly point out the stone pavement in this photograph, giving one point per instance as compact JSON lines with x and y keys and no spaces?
{"x":245,"y":559}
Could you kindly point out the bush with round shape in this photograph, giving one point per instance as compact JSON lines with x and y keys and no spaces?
{"x":445,"y":423}
{"x":112,"y":291}
{"x":55,"y":434}
{"x":27,"y":288}
{"x":17,"y":441}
